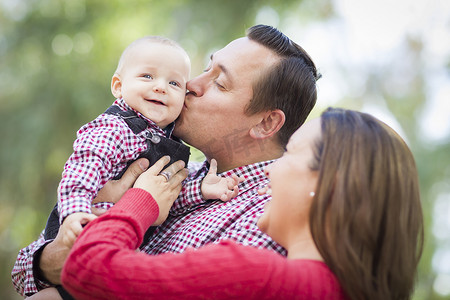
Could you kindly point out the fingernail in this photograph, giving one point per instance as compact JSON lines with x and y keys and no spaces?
{"x":143,"y":165}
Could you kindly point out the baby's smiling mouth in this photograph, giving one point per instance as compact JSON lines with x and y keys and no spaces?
{"x":155,"y":101}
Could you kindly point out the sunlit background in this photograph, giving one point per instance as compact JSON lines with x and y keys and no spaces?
{"x":388,"y":58}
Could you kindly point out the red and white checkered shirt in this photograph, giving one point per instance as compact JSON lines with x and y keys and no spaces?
{"x":102,"y":149}
{"x":192,"y":222}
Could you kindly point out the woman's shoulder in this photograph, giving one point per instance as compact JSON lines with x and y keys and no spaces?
{"x":289,"y":279}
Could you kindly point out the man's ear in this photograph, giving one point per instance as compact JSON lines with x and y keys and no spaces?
{"x":270,"y":124}
{"x":116,"y":86}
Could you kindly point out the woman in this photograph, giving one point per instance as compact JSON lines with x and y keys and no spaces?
{"x":345,"y":205}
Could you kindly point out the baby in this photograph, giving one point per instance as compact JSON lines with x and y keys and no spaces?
{"x":149,"y":85}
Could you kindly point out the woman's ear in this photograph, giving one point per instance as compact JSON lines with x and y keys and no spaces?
{"x":116,"y":86}
{"x":270,"y":124}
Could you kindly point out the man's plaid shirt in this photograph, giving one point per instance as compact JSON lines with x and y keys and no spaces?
{"x":192,"y":222}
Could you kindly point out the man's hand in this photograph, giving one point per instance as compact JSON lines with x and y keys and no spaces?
{"x":217,"y":187}
{"x":50,"y":293}
{"x":114,"y":189}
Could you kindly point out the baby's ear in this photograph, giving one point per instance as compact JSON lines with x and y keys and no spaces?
{"x":116,"y":86}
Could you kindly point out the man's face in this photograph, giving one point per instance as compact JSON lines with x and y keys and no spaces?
{"x":213,"y":118}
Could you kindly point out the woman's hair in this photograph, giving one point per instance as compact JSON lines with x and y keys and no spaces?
{"x":366,"y":217}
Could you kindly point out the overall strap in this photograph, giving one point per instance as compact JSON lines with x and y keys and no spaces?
{"x":136,"y":124}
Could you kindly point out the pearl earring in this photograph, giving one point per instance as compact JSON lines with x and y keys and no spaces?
{"x":312,"y":194}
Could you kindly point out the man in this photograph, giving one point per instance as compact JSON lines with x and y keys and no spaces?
{"x":241,"y":111}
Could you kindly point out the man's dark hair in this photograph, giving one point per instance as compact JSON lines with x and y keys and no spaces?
{"x":289,"y":86}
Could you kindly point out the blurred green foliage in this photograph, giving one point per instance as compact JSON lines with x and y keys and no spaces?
{"x":56,"y":61}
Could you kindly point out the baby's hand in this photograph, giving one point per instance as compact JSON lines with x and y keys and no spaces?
{"x":217,"y":187}
{"x":72,"y":227}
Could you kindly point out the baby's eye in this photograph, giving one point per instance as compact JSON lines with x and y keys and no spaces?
{"x":148,"y":76}
{"x":174,"y":83}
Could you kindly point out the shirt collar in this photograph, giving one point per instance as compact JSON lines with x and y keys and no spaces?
{"x":166,"y":131}
{"x":253,"y":173}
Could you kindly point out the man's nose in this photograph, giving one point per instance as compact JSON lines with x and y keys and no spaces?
{"x":196,"y":86}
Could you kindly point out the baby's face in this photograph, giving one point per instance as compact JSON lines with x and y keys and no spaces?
{"x":153,"y":81}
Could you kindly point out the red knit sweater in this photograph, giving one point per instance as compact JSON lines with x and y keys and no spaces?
{"x":103,"y":264}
